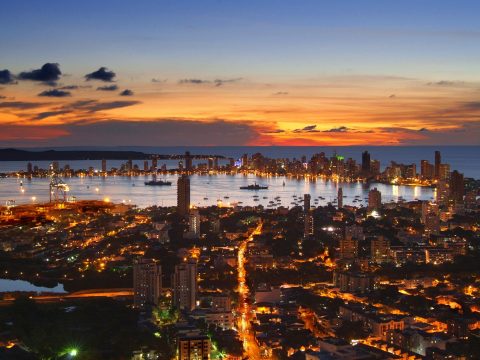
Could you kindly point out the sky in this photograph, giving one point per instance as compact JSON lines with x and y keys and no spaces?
{"x":264,"y":72}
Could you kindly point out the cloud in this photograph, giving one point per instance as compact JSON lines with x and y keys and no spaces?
{"x":108,"y":88}
{"x":423,"y":129}
{"x":220,"y":82}
{"x":102,"y":74}
{"x":393,"y":96}
{"x":74,"y":87}
{"x":2,"y":97}
{"x":113,"y":132}
{"x":55,"y":93}
{"x":281,"y":93}
{"x":126,"y":92}
{"x":340,"y":129}
{"x":49,"y":73}
{"x":159,"y":80}
{"x":6,"y":77}
{"x":47,"y":114}
{"x":446,"y":83}
{"x":92,"y":106}
{"x":276,"y":131}
{"x":193,"y":81}
{"x":20,"y":105}
{"x":471,"y":105}
{"x":307,"y":129}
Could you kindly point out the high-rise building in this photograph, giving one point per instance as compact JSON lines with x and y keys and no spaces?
{"x":340,"y":198}
{"x":145,"y":165}
{"x":308,"y":224}
{"x":374,"y":199}
{"x":147,"y":282}
{"x":210,"y":163}
{"x":438,"y":161}
{"x":348,"y":248}
{"x":375,"y":167}
{"x":380,"y":249}
{"x":194,"y":222}
{"x":432,"y":224}
{"x":444,"y":172}
{"x":194,"y":348}
{"x":306,"y":202}
{"x":442,"y":193}
{"x":29,"y":168}
{"x":457,"y":186}
{"x":104,"y":166}
{"x":427,"y":170}
{"x":366,"y":162}
{"x":183,"y":195}
{"x":185,"y":286}
{"x":188,"y":162}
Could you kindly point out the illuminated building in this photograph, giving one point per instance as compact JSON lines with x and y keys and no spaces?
{"x":374,"y":199}
{"x":354,"y":282}
{"x":29,"y":168}
{"x":147,"y":282}
{"x":104,"y":166}
{"x":145,"y":165}
{"x":183,"y":195}
{"x":444,"y":172}
{"x":340,"y":198}
{"x":194,"y":222}
{"x":375,"y":167}
{"x":308,"y":224}
{"x":154,"y":164}
{"x":426,"y":170}
{"x":442,"y":193}
{"x":185,"y":286}
{"x":194,"y":348}
{"x":348,"y":248}
{"x":432,"y":224}
{"x":438,"y":161}
{"x":380,"y":249}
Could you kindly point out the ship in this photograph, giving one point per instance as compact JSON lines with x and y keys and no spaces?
{"x":253,"y":187}
{"x":158,"y":183}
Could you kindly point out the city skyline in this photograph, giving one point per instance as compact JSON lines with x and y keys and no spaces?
{"x":239,"y":74}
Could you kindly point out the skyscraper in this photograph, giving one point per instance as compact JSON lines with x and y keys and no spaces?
{"x":340,"y":198}
{"x":194,"y":348}
{"x":374,"y":199}
{"x":457,"y":186}
{"x":147,"y":282}
{"x":194,"y":222}
{"x":306,"y":202}
{"x":104,"y":166}
{"x":438,"y":161}
{"x":183,"y":195}
{"x":366,"y":162}
{"x":185,"y":286}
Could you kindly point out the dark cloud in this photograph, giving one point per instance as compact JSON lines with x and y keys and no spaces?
{"x":277,"y":131}
{"x":159,"y":80}
{"x":193,"y":81}
{"x":307,"y":129}
{"x":423,"y":129}
{"x":168,"y":132}
{"x":220,"y":82}
{"x":6,"y":77}
{"x":47,"y":114}
{"x":340,"y":129}
{"x":92,"y":106}
{"x":2,"y":97}
{"x":108,"y":88}
{"x":102,"y":74}
{"x":126,"y":92}
{"x":472,"y":105}
{"x":20,"y":105}
{"x":55,"y":93}
{"x":281,"y":93}
{"x":392,"y":96}
{"x":49,"y":73}
{"x":446,"y":83}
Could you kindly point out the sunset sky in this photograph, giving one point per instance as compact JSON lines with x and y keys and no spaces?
{"x":264,"y":72}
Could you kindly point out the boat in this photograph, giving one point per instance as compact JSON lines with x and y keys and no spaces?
{"x":226,"y":197}
{"x":253,"y":187}
{"x":265,"y":197}
{"x":158,"y":183}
